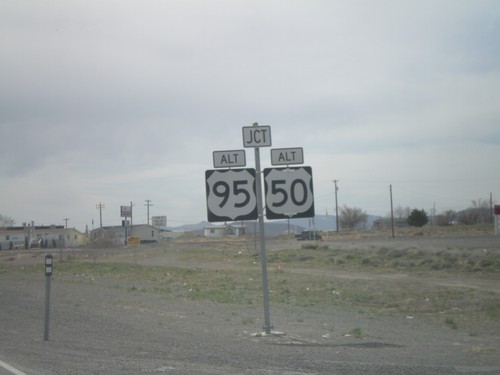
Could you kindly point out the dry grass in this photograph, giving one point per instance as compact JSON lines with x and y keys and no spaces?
{"x":455,"y":284}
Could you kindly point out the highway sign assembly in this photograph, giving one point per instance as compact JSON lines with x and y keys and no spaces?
{"x":236,"y":194}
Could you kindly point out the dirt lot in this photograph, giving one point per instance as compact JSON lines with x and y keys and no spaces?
{"x":348,"y":305}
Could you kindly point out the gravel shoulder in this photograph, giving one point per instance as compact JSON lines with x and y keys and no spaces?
{"x":108,"y":326}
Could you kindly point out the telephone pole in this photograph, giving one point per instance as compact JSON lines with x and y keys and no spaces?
{"x":100,"y":207}
{"x":392,"y":211}
{"x":491,"y":208}
{"x":131,"y":220}
{"x":336,"y":206}
{"x":66,"y":220}
{"x":148,"y":204}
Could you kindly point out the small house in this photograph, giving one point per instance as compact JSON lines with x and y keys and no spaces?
{"x":228,"y":230}
{"x":117,"y":235}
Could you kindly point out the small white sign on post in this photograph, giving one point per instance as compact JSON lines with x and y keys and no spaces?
{"x":257,"y":136}
{"x":48,"y":274}
{"x":287,"y":156}
{"x":229,"y":159}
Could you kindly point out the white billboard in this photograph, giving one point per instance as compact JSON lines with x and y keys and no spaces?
{"x":159,"y":221}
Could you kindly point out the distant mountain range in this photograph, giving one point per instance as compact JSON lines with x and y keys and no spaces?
{"x":276,"y":227}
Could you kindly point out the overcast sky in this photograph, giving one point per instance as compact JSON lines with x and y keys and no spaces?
{"x":123,"y":101}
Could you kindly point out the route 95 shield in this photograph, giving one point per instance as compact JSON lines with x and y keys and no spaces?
{"x":231,"y":194}
{"x":289,"y":192}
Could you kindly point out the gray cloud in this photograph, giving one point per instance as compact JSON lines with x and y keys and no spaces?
{"x":142,"y":93}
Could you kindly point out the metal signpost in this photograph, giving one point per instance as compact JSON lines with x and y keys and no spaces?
{"x":260,"y":136}
{"x":48,"y":274}
{"x":236,"y":194}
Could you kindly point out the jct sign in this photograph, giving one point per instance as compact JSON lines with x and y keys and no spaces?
{"x":289,"y":192}
{"x":257,"y":136}
{"x":231,"y":194}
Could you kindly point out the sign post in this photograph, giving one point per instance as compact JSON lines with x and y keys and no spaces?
{"x":48,"y":274}
{"x":260,"y":136}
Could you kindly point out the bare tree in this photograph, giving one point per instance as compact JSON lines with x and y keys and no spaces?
{"x":478,"y":213}
{"x":401,"y":212}
{"x":6,"y":221}
{"x":352,"y":217}
{"x":482,"y":206}
{"x":446,"y":218}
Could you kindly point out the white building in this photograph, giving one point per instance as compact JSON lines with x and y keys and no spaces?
{"x":52,"y":236}
{"x":219,"y":231}
{"x":117,"y":235}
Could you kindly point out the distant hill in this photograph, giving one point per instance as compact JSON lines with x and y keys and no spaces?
{"x":277,"y":227}
{"x":324,"y":222}
{"x":271,"y":228}
{"x":191,"y":227}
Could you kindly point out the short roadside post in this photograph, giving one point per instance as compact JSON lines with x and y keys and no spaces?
{"x":48,"y":275}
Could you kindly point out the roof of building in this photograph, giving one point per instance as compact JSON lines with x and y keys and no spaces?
{"x":116,"y":227}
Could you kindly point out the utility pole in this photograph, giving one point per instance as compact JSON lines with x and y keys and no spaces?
{"x":491,"y":208}
{"x":434,"y":215}
{"x":336,"y":206}
{"x":66,"y":220}
{"x":100,"y":207}
{"x":148,"y":204}
{"x":131,"y":214}
{"x":392,"y":212}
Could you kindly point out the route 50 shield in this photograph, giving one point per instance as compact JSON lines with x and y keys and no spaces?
{"x":289,"y":192}
{"x":231,"y":194}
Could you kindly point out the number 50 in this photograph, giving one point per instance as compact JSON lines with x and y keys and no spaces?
{"x":275,"y":189}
